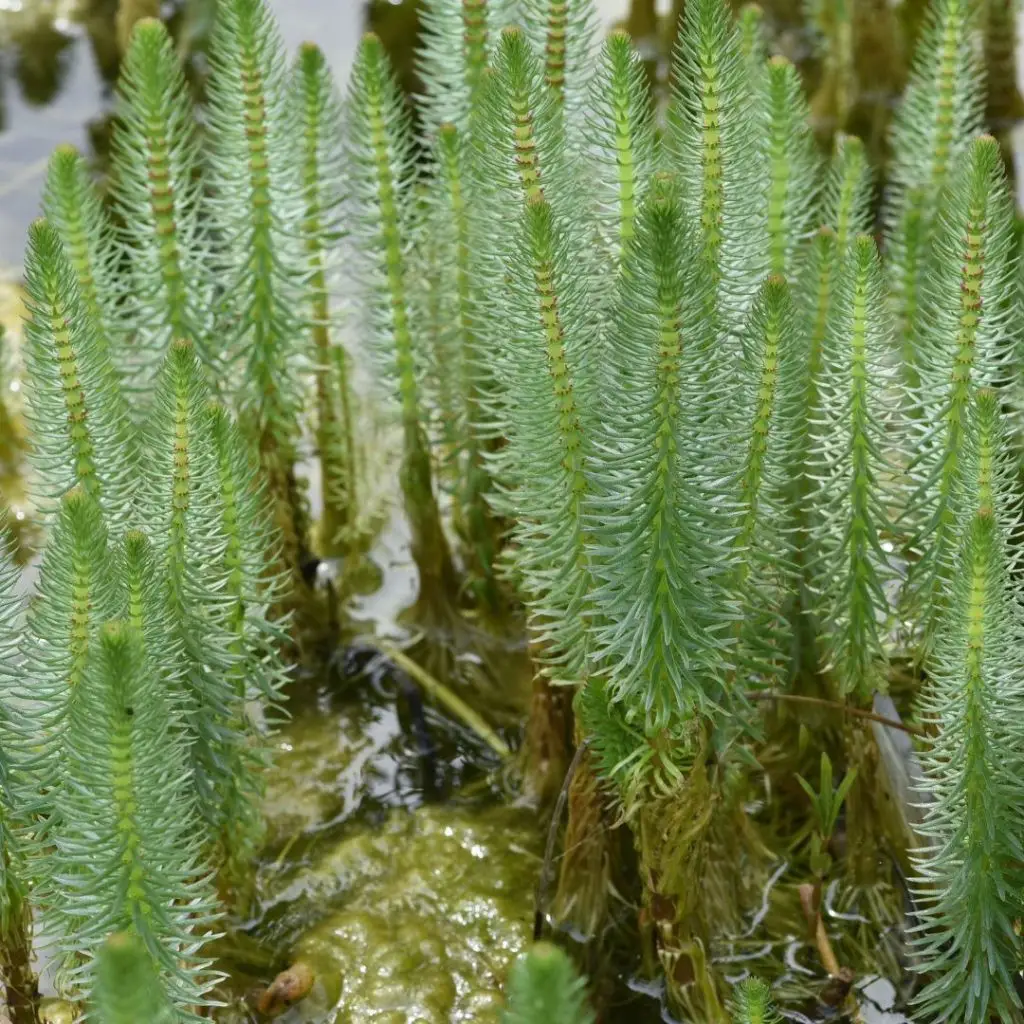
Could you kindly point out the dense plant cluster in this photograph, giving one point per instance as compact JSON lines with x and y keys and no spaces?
{"x":658,"y":381}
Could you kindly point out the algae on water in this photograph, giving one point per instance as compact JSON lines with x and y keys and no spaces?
{"x":417,"y":920}
{"x":401,"y":914}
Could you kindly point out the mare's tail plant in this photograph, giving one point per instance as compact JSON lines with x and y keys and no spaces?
{"x":125,"y":850}
{"x":621,"y":146}
{"x":711,"y":138}
{"x":752,"y":1004}
{"x":256,"y":210}
{"x":379,"y":150}
{"x":190,"y":477}
{"x":544,"y":988}
{"x":323,"y":189}
{"x":731,"y":451}
{"x":72,"y":205}
{"x":15,"y":916}
{"x":156,"y":192}
{"x":81,"y":435}
{"x":458,"y":38}
{"x":968,"y":892}
{"x":940,"y":112}
{"x":853,"y":465}
{"x":126,"y":989}
{"x":459,"y":359}
{"x":856,"y":457}
{"x":964,"y":338}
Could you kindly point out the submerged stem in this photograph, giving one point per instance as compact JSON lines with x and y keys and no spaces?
{"x":455,"y":704}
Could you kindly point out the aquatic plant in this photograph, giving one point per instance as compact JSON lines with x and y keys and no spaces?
{"x":753,"y":1004}
{"x":15,"y":941}
{"x":126,"y":989}
{"x":543,"y":986}
{"x":254,"y":172}
{"x":968,"y":887}
{"x":379,"y":155}
{"x":747,"y":468}
{"x":316,"y":96}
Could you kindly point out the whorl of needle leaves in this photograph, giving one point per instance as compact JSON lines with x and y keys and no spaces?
{"x":81,"y":434}
{"x":125,"y":845}
{"x":969,"y":882}
{"x":543,"y":986}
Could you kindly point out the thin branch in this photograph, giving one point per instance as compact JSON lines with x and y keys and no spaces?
{"x":844,"y":709}
{"x":455,"y":704}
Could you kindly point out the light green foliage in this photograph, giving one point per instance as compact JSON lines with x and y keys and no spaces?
{"x":969,"y":886}
{"x":793,"y":166}
{"x":621,"y":147}
{"x":251,"y":584}
{"x":378,"y":147}
{"x":75,"y":593}
{"x":662,"y":553}
{"x":677,"y":396}
{"x":12,"y":887}
{"x":941,"y":111}
{"x":815,"y":292}
{"x":379,"y":152}
{"x":458,"y":38}
{"x":712,"y":140}
{"x":543,"y":464}
{"x":826,"y":803}
{"x":519,"y":154}
{"x":541,"y":347}
{"x":125,"y":841}
{"x":846,"y":213}
{"x":459,"y":367}
{"x":752,"y":1004}
{"x":257,"y":673}
{"x":254,"y":175}
{"x":81,"y":436}
{"x":753,"y":45}
{"x":157,"y":194}
{"x":771,"y":398}
{"x":126,"y":989}
{"x":183,"y":506}
{"x":72,"y":205}
{"x":521,"y":149}
{"x":846,"y":204}
{"x":855,"y":456}
{"x":964,"y":339}
{"x":564,"y":34}
{"x":144,"y":582}
{"x":319,"y":105}
{"x":619,"y":746}
{"x":544,"y":988}
{"x":15,"y":911}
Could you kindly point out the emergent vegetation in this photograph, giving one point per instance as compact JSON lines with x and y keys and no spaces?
{"x":748,"y":469}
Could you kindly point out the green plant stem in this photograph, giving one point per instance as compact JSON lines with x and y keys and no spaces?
{"x":16,"y":962}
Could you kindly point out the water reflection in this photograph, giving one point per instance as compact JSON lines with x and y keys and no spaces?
{"x":58,"y":64}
